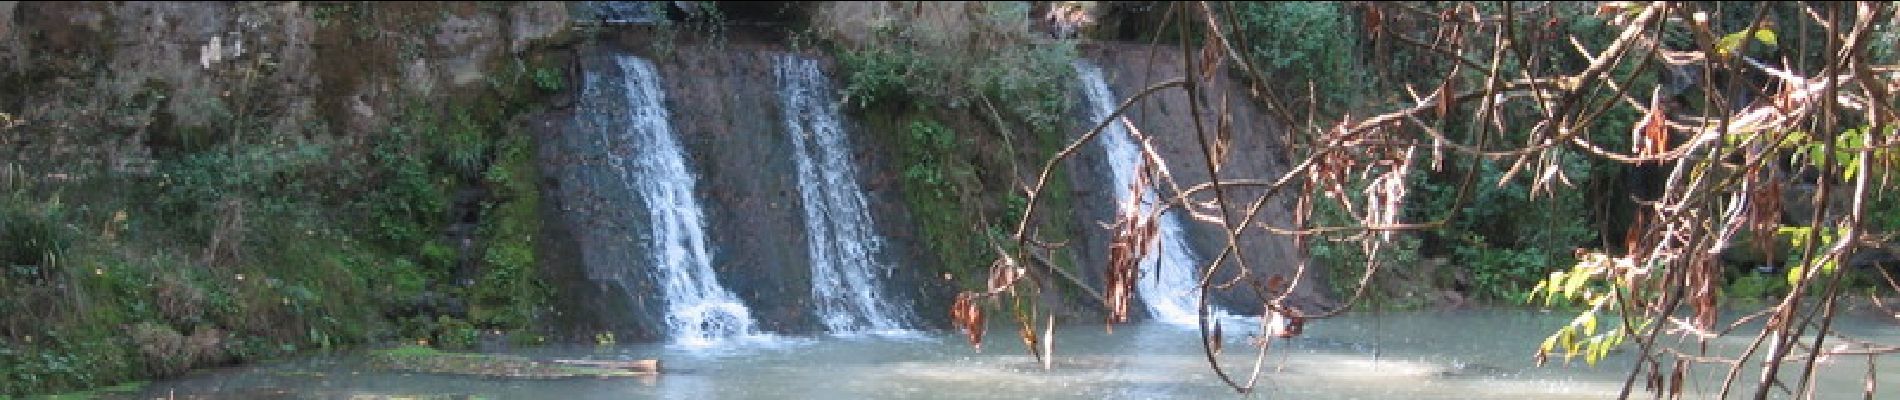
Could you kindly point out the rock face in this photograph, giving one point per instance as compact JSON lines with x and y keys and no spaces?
{"x":725,"y":111}
{"x":1256,"y":153}
{"x":120,"y":91}
{"x":588,"y":239}
{"x":172,"y":75}
{"x":726,"y":115}
{"x":195,"y":65}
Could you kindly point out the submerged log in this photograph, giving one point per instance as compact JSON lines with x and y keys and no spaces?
{"x":427,"y":360}
{"x":637,"y":366}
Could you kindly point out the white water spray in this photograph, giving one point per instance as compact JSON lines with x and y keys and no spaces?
{"x":652,"y":166}
{"x":844,"y":246}
{"x":1169,"y":285}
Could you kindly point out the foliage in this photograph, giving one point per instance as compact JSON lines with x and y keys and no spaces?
{"x":935,"y":178}
{"x":409,"y":204}
{"x":1734,"y":41}
{"x":1584,"y":284}
{"x":1797,"y":237}
{"x":245,"y":241}
{"x":1034,"y":87}
{"x":882,"y":76}
{"x":1751,"y":288}
{"x":35,"y":240}
{"x":1300,"y":43}
{"x":1813,"y":151}
{"x":549,"y":79}
{"x":984,"y":54}
{"x":1516,"y":109}
{"x":1505,"y":238}
{"x":908,"y":66}
{"x":929,"y":143}
{"x":507,"y":294}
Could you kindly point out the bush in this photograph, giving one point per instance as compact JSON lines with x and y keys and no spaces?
{"x":31,"y":240}
{"x":409,"y":205}
{"x":1301,"y":42}
{"x":952,"y":56}
{"x":1752,"y":288}
{"x":910,"y":65}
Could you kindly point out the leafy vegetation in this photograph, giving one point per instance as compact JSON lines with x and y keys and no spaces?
{"x":1300,"y":42}
{"x":239,"y":240}
{"x":935,"y":178}
{"x":246,"y":241}
{"x":978,"y":65}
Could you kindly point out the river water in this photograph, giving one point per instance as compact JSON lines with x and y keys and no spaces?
{"x":1478,"y":354}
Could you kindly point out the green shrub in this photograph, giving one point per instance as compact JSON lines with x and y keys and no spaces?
{"x":910,"y":65}
{"x":33,"y":240}
{"x":1299,"y":42}
{"x":1751,"y":288}
{"x":455,"y":334}
{"x":410,"y":203}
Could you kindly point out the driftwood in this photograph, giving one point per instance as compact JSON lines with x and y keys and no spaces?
{"x":635,"y":366}
{"x":1076,"y":282}
{"x":427,"y":360}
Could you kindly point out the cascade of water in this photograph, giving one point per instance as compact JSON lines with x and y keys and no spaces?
{"x":844,"y":246}
{"x":1169,"y":286}
{"x":652,"y":165}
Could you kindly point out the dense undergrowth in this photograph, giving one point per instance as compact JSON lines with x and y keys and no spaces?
{"x":1505,"y":236}
{"x":970,"y":108}
{"x":1501,"y":236}
{"x":239,"y":241}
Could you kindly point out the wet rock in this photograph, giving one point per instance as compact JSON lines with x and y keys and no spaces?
{"x":1165,"y":117}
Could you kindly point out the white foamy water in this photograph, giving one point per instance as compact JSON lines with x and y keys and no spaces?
{"x":844,"y":246}
{"x":1169,"y":283}
{"x":652,"y":165}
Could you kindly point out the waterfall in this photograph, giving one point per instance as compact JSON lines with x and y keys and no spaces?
{"x":844,"y":248}
{"x":652,"y":166}
{"x":1169,"y":285}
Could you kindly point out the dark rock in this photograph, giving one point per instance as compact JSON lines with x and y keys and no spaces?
{"x":1165,"y":117}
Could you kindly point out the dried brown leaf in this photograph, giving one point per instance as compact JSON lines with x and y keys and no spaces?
{"x":1217,"y":340}
{"x":965,"y":315}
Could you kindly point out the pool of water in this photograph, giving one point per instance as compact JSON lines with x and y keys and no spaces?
{"x":1413,"y":355}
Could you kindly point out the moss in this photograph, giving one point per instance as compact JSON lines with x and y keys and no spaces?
{"x":1004,"y":92}
{"x":508,"y":295}
{"x":1057,"y":203}
{"x":265,"y":244}
{"x":931,"y":163}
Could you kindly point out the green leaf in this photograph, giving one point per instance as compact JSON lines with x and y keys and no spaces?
{"x":1733,"y":41}
{"x":1566,"y":338}
{"x":1591,"y":351}
{"x":1767,"y":36}
{"x":1556,"y":283}
{"x":1575,"y":282}
{"x":1603,"y":349}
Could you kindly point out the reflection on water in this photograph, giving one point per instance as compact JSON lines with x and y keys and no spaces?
{"x":1428,"y":355}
